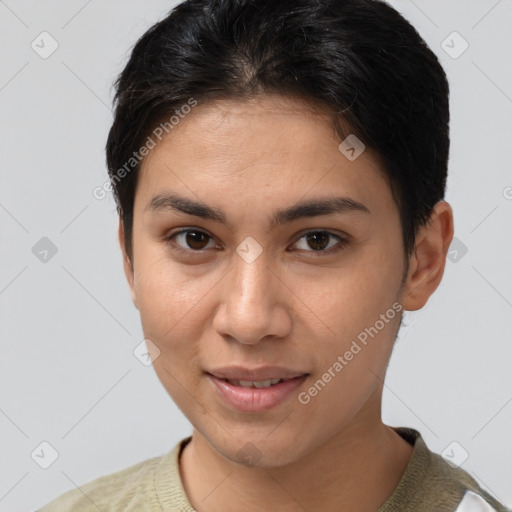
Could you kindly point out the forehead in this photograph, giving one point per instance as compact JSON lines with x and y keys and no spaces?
{"x":247,"y":127}
{"x":273,"y":146}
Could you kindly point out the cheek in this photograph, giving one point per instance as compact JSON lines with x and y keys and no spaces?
{"x":351,"y":368}
{"x":164,"y":291}
{"x":359,"y":318}
{"x":353,"y":297}
{"x":165,"y":304}
{"x":170,"y":318}
{"x":173,"y":312}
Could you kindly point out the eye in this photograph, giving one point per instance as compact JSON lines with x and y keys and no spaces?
{"x":318,"y":241}
{"x":191,"y":240}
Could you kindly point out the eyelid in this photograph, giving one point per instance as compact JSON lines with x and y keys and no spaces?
{"x":339,"y":234}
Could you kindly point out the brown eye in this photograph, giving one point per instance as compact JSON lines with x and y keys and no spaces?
{"x":190,"y":240}
{"x":196,"y":239}
{"x":320,"y":242}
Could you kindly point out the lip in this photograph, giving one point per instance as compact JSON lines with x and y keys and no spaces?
{"x":261,"y":373}
{"x":250,"y":399}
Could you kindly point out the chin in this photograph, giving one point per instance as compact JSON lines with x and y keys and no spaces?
{"x":262,"y":451}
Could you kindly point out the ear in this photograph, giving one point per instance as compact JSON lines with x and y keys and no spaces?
{"x":426,"y":264}
{"x":127,"y":264}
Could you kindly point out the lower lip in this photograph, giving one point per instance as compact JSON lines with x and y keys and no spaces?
{"x":255,"y":399}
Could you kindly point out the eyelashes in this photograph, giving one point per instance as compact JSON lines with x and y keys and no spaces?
{"x":192,"y":241}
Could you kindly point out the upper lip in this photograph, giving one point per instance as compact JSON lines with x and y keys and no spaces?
{"x":255,"y":374}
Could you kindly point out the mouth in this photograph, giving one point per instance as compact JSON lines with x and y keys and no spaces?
{"x":255,"y":383}
{"x":255,"y":396}
{"x":256,"y":374}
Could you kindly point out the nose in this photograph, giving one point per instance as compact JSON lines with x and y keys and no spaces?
{"x":253,"y":303}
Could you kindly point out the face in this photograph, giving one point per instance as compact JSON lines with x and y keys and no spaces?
{"x":229,"y":270}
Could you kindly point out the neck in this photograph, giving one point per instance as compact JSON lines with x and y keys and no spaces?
{"x":357,"y":469}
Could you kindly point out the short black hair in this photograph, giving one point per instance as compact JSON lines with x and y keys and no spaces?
{"x":360,"y":59}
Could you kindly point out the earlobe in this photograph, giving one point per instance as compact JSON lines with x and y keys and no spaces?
{"x":427,"y":263}
{"x":127,"y":264}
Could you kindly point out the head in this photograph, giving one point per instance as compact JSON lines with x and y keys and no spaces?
{"x":279,"y":170}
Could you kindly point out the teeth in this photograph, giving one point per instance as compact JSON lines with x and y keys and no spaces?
{"x":255,"y":384}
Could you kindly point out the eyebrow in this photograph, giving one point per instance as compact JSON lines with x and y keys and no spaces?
{"x":303,"y":209}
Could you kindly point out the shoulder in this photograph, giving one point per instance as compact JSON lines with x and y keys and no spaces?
{"x":127,"y":490}
{"x":430,"y":482}
{"x":452,"y":479}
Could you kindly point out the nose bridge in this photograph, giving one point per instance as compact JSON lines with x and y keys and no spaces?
{"x":252,"y":284}
{"x":250,"y":307}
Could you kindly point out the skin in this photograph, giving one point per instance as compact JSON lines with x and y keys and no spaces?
{"x":293,"y":306}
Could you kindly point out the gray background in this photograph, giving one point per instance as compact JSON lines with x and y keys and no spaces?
{"x":68,"y":375}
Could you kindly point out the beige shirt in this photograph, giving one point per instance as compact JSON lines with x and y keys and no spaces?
{"x":429,"y":484}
